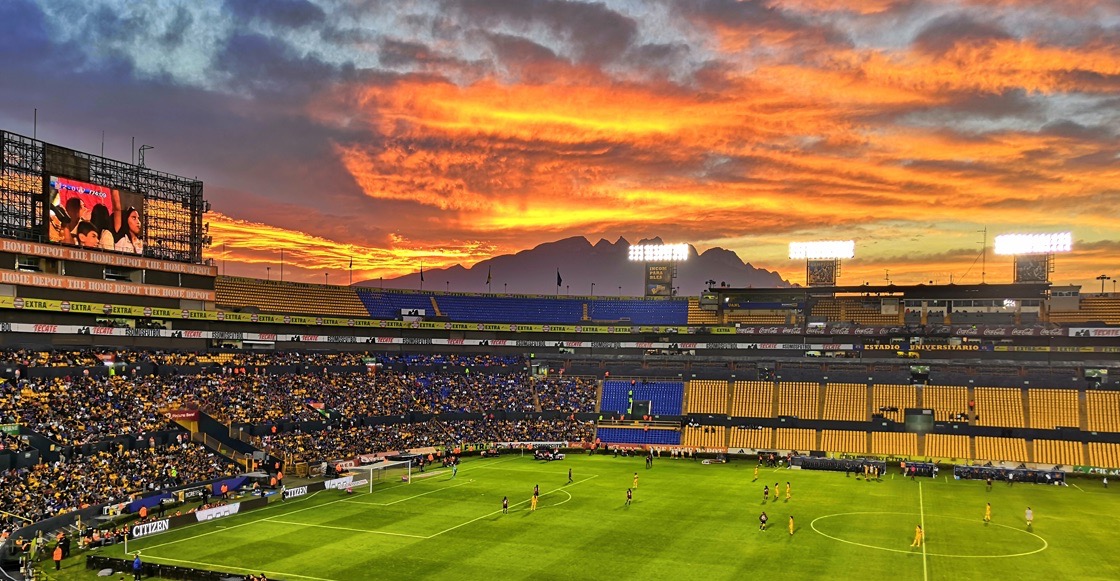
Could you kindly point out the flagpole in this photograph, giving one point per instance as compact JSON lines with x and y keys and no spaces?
{"x":281,"y":265}
{"x":351,"y":271}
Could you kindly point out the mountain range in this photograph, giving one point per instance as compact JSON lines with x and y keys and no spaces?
{"x":581,"y":264}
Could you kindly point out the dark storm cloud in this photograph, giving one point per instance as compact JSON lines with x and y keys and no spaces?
{"x":593,"y":32}
{"x":946,"y":32}
{"x":263,"y":63}
{"x":284,"y":13}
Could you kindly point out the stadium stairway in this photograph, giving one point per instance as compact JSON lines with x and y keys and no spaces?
{"x":774,"y":397}
{"x":435,"y":306}
{"x":1027,"y":419}
{"x":1082,"y":412}
{"x":1030,"y":450}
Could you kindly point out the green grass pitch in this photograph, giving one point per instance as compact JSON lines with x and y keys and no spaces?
{"x":687,"y":521}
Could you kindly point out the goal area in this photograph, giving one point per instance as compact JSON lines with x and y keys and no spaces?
{"x":385,"y":472}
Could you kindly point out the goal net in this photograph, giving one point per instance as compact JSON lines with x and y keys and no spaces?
{"x":388,"y":472}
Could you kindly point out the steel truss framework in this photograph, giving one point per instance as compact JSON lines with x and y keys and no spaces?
{"x":173,"y":205}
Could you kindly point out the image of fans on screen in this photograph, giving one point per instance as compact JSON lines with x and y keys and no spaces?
{"x":95,"y":217}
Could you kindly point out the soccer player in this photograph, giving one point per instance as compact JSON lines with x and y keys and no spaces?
{"x":756,"y":472}
{"x":776,"y":489}
{"x":569,"y":475}
{"x":533,"y":503}
{"x":505,"y":505}
{"x":789,"y":494}
{"x":629,"y":496}
{"x":762,"y":518}
{"x":536,"y":489}
{"x":989,"y":484}
{"x":454,"y":469}
{"x":1030,"y":517}
{"x":635,"y":480}
{"x":791,"y":525}
{"x":765,"y":493}
{"x":918,"y":534}
{"x":988,"y":513}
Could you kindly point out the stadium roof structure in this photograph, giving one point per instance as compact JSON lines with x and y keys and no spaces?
{"x":919,"y":291}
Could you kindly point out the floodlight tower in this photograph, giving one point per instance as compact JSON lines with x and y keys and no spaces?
{"x":1033,"y":253}
{"x":822,"y":259}
{"x":661,"y":265}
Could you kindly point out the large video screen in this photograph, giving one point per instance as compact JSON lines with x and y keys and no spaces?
{"x":95,"y":217}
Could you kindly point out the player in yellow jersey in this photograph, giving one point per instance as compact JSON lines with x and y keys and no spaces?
{"x":988,"y":513}
{"x":789,"y":494}
{"x":918,"y":535}
{"x":533,"y":503}
{"x":756,"y":471}
{"x":635,"y":480}
{"x":791,"y":525}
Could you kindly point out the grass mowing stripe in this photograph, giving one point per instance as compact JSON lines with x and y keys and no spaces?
{"x":561,"y":489}
{"x":922,"y":512}
{"x":349,"y":529}
{"x":212,"y":566}
{"x":355,"y":501}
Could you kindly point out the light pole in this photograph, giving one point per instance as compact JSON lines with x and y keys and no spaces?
{"x":505,"y":287}
{"x":620,"y":290}
{"x":1103,"y":278}
{"x":448,"y":283}
{"x":326,"y":278}
{"x":268,"y":273}
{"x":592,"y":289}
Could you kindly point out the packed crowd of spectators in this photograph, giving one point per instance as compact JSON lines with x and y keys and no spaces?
{"x":340,"y":443}
{"x":46,"y":490}
{"x":566,"y":394}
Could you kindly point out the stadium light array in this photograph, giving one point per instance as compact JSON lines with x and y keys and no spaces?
{"x":658,"y":252}
{"x":1013,"y":244}
{"x":822,"y":249}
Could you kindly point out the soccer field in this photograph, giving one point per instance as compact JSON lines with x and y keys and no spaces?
{"x":687,"y":521}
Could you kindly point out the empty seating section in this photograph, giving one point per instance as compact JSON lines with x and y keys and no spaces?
{"x":894,"y":444}
{"x":945,"y":401}
{"x":800,"y":399}
{"x":947,"y":446}
{"x":999,"y":406}
{"x":388,"y":305}
{"x":706,"y":396}
{"x":845,"y":401}
{"x":761,"y":439}
{"x":752,"y":399}
{"x":1001,"y":449}
{"x":844,"y":441}
{"x":1058,"y":452}
{"x":639,"y":311}
{"x":698,"y":316}
{"x":1105,"y":309}
{"x":1104,"y":454}
{"x":639,"y":436}
{"x":756,"y":317}
{"x":288,"y":297}
{"x":1051,"y":408}
{"x":705,"y":437}
{"x":893,"y":396}
{"x":798,"y":439}
{"x":665,"y":397}
{"x":850,"y":310}
{"x":384,"y":304}
{"x":1104,"y":411}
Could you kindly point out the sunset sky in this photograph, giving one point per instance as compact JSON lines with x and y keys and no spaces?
{"x":452,"y":131}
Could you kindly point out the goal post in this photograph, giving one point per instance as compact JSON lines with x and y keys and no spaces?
{"x":385,"y":472}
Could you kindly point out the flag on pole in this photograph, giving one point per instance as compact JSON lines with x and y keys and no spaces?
{"x":487,"y":276}
{"x":421,"y":272}
{"x":559,"y":281}
{"x":351,"y":261}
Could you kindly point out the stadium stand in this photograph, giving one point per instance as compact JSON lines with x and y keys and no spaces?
{"x":665,"y":397}
{"x":851,"y":310}
{"x":999,"y":406}
{"x":891,"y":401}
{"x":1104,"y":454}
{"x":752,"y":399}
{"x":1103,"y":409}
{"x":1052,"y":408}
{"x":639,"y":436}
{"x":947,"y":446}
{"x":799,"y":399}
{"x":894,"y":444}
{"x":1001,"y":449}
{"x":288,"y":297}
{"x":707,"y":396}
{"x":845,"y":401}
{"x":799,"y":439}
{"x":945,"y":401}
{"x":698,"y":316}
{"x":757,"y":439}
{"x":1091,"y":308}
{"x":704,"y":437}
{"x":1058,"y":452}
{"x":844,"y":441}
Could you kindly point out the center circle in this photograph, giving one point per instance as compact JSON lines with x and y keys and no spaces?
{"x":869,"y":520}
